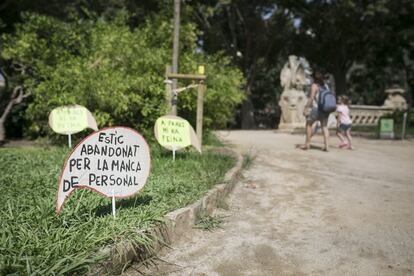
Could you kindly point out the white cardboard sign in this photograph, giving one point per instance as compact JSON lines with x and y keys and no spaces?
{"x":113,"y":161}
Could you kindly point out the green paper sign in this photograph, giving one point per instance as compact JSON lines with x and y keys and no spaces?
{"x":387,"y":125}
{"x":173,"y":132}
{"x":71,"y":119}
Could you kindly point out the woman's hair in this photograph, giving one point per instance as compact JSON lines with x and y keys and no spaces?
{"x":318,"y":78}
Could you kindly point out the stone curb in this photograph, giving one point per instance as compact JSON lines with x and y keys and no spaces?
{"x":175,"y":224}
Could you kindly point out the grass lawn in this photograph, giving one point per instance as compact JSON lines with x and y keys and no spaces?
{"x":34,"y":240}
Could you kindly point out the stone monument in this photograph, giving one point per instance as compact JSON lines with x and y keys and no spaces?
{"x":294,"y":78}
{"x":395,"y":99}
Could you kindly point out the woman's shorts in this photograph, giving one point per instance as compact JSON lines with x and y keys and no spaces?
{"x":344,"y":127}
{"x":316,"y":115}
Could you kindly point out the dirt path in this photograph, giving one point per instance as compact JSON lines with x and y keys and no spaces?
{"x":308,"y":213}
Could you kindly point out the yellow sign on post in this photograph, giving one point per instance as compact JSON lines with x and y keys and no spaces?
{"x":201,"y":70}
{"x":175,"y":133}
{"x":71,"y":119}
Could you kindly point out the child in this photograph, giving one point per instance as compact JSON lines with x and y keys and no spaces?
{"x":344,"y":122}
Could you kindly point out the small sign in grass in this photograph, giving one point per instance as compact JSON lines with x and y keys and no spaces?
{"x":114,"y":162}
{"x":69,"y":120}
{"x":175,"y":133}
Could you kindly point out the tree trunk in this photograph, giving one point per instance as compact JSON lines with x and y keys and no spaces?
{"x":247,"y":115}
{"x":340,"y":81}
{"x":409,"y":93}
{"x":247,"y":112}
{"x":2,"y":134}
{"x":3,"y":120}
{"x":16,"y":98}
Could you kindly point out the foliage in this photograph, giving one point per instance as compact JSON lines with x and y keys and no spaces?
{"x":391,"y":61}
{"x":366,"y":45}
{"x":35,"y":241}
{"x":370,"y":39}
{"x":223,"y":90}
{"x":257,"y":35}
{"x":209,"y":138}
{"x":210,"y":223}
{"x":10,"y":10}
{"x":116,"y":72}
{"x":248,"y":160}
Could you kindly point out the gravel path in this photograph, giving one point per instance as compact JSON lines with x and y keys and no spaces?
{"x":307,"y":213}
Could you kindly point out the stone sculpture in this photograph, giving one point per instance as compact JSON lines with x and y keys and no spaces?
{"x":294,"y":77}
{"x":395,"y":99}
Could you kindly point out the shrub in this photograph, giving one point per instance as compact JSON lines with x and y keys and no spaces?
{"x":115,"y":71}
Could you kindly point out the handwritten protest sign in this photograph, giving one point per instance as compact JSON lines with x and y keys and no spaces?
{"x":114,"y":161}
{"x":175,"y":133}
{"x":71,"y":119}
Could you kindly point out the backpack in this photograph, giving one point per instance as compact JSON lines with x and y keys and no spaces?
{"x":326,"y":100}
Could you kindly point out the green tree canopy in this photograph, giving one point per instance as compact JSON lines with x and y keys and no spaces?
{"x":113,"y":70}
{"x":257,"y":35}
{"x":366,"y":45}
{"x":343,"y":37}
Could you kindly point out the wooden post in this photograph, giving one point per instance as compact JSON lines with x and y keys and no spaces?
{"x":176,"y":42}
{"x":200,"y":102}
{"x":186,"y":76}
{"x":200,"y":96}
{"x":404,"y":125}
{"x":168,"y":89}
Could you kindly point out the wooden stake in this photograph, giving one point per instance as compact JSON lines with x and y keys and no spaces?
{"x":176,"y":42}
{"x":113,"y":204}
{"x":168,"y":89}
{"x":186,"y":76}
{"x":200,"y":103}
{"x":404,"y":125}
{"x":70,"y":140}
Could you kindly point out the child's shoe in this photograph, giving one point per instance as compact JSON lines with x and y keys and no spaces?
{"x":343,"y":145}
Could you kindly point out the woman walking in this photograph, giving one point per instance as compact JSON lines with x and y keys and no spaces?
{"x":313,"y":113}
